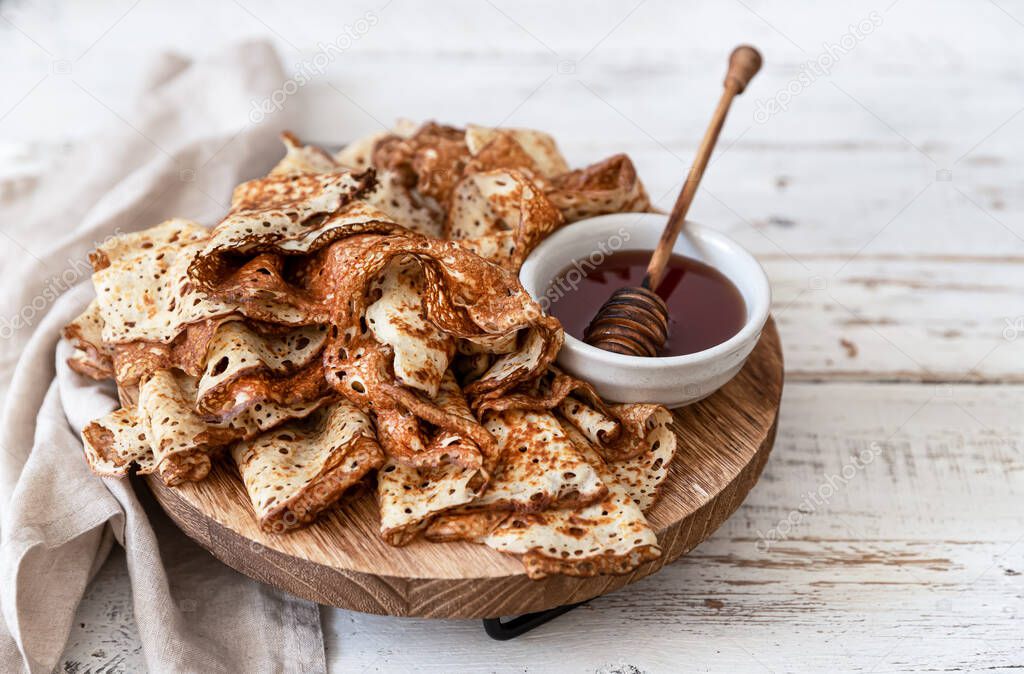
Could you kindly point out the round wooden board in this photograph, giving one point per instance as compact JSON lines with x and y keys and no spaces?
{"x":340,"y":560}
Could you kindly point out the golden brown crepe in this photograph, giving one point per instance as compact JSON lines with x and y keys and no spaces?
{"x":356,"y":319}
{"x":607,"y":537}
{"x":299,"y":469}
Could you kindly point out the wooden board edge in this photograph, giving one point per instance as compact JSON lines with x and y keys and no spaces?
{"x":447,"y":598}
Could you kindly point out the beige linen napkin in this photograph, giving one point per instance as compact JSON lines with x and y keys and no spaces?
{"x":179,"y":153}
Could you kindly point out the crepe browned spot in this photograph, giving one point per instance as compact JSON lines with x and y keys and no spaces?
{"x":609,"y":536}
{"x":609,"y":186}
{"x":144,"y":292}
{"x":117,"y":443}
{"x":410,"y":498}
{"x":539,"y":466}
{"x":501,"y":215}
{"x":296,"y":471}
{"x":293,"y":214}
{"x":643,"y":473}
{"x":398,"y":319}
{"x":91,"y":356}
{"x":431,"y":160}
{"x":528,"y":149}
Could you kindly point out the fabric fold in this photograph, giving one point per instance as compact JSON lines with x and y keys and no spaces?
{"x":189,"y":139}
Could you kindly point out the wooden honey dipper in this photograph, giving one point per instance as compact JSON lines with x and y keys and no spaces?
{"x":634,"y":321}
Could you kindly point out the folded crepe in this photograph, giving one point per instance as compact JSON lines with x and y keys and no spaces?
{"x":297,"y":470}
{"x":163,"y":432}
{"x":534,"y":151}
{"x":410,"y":498}
{"x":91,"y":357}
{"x":607,"y":537}
{"x":539,"y":466}
{"x":360,"y":313}
{"x":609,"y":186}
{"x":643,"y":473}
{"x":501,"y":216}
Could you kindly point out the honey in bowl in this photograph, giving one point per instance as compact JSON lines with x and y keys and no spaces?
{"x":704,"y":307}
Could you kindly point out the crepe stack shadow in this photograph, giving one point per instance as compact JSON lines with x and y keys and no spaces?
{"x":355,"y":321}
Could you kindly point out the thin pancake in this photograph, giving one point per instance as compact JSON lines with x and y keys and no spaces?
{"x":607,"y":537}
{"x":643,"y":474}
{"x":609,"y":186}
{"x":91,"y":357}
{"x":117,"y":443}
{"x":301,"y":158}
{"x":540,"y":468}
{"x":296,"y":471}
{"x":501,"y":215}
{"x":145,"y":294}
{"x":292,"y":214}
{"x":410,"y":498}
{"x":398,"y":319}
{"x":539,"y":148}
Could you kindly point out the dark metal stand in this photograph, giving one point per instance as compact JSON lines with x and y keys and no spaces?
{"x":503,"y":631}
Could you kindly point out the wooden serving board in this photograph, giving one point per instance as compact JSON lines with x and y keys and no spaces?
{"x":724,"y":442}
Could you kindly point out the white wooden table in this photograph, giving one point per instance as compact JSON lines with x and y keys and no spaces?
{"x":885,"y":202}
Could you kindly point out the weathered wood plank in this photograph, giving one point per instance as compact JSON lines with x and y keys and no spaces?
{"x":893,"y":318}
{"x":912,"y":560}
{"x":842,"y":170}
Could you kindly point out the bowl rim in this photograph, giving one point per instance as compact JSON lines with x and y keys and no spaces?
{"x":759,"y":289}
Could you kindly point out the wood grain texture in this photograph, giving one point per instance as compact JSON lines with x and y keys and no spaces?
{"x":831,"y":181}
{"x":724,"y":442}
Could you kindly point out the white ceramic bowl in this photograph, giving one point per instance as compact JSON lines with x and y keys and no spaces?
{"x":673,"y":381}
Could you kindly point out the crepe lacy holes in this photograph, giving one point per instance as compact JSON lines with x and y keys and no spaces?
{"x":220,"y":367}
{"x":358,"y":387}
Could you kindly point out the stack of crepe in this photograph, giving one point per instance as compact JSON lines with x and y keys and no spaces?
{"x":357,"y":319}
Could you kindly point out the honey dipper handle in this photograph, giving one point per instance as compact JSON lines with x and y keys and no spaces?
{"x":744,"y":62}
